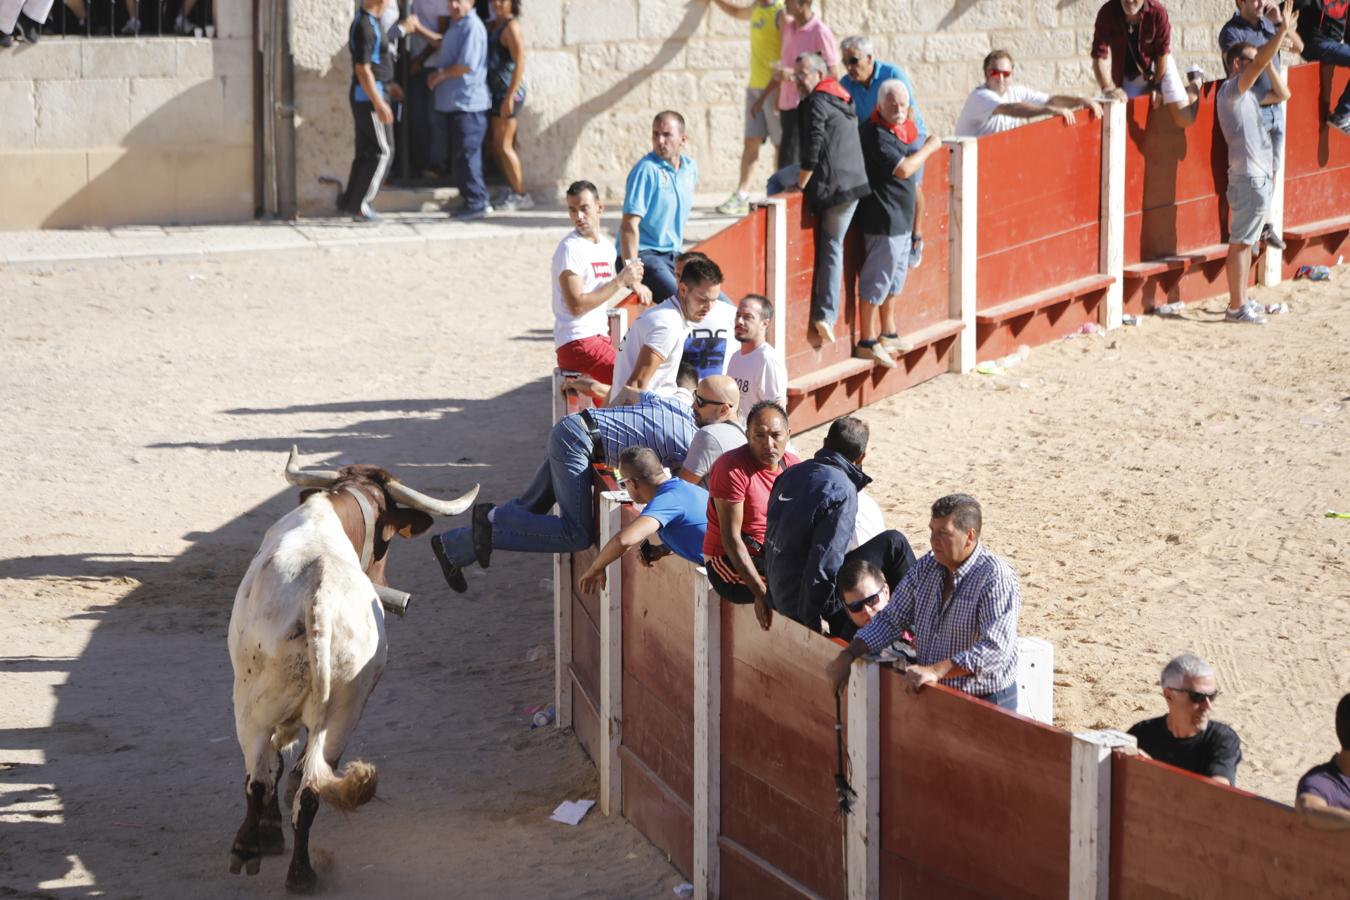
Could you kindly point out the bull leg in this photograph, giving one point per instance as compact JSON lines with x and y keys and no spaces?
{"x":245,"y":853}
{"x":300,"y":879}
{"x":271,"y":839}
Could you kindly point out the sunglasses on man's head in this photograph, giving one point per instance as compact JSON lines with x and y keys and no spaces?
{"x":701,"y":402}
{"x":858,"y":606}
{"x":1198,"y":697}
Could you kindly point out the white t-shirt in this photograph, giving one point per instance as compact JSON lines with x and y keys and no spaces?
{"x":977,"y":117}
{"x":760,"y":374}
{"x":594,"y":262}
{"x":869,"y":522}
{"x":663,"y":328}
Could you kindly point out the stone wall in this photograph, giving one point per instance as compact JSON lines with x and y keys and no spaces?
{"x":112,"y":131}
{"x":599,"y":69}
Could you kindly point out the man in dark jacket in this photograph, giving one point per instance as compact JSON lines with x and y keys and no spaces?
{"x":810,"y":522}
{"x":831,"y":174}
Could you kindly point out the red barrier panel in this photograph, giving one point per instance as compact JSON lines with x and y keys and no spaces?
{"x":1175,"y":834}
{"x":1317,"y":170}
{"x":739,"y":249}
{"x":779,"y":825}
{"x":1038,"y":259}
{"x":657,"y":746}
{"x":974,"y":800}
{"x":1176,"y":217}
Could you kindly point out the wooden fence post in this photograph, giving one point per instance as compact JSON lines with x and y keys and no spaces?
{"x":562,"y":603}
{"x":964,"y":249}
{"x":618,"y":326}
{"x":863,"y":840}
{"x":775,"y":264}
{"x":1112,"y":243}
{"x":1271,"y":268}
{"x":1090,"y":812}
{"x":611,"y":663}
{"x":707,"y":738}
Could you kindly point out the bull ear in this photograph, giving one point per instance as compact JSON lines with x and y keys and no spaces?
{"x":408,"y":522}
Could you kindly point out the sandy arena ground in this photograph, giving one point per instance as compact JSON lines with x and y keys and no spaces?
{"x":1160,"y":489}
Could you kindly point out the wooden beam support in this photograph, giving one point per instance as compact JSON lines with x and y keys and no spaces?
{"x":611,"y":665}
{"x":862,"y":840}
{"x":1269,"y":269}
{"x":562,"y":603}
{"x":1090,"y":812}
{"x":1112,"y":242}
{"x":964,"y":247}
{"x":775,"y":262}
{"x":707,"y":738}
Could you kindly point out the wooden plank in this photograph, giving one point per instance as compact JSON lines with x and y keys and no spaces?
{"x":1090,"y":812}
{"x":585,"y":717}
{"x":562,"y":638}
{"x":863,"y":830}
{"x":1316,"y":229}
{"x":962,"y":296}
{"x":828,"y":376}
{"x":1111,"y":249}
{"x":1147,"y":269}
{"x":1024,"y":306}
{"x":611,"y":665}
{"x":931,"y":334}
{"x":585,"y":650}
{"x":745,"y":874}
{"x":664,"y":819}
{"x":707,"y":739}
{"x":942,"y":750}
{"x":1251,"y":846}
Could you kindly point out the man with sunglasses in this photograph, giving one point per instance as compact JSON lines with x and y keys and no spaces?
{"x":715,"y":406}
{"x":961,"y":602}
{"x":673,"y":511}
{"x":1186,"y":737}
{"x":1001,"y":105}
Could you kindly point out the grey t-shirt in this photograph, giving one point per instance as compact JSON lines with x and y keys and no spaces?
{"x":1248,"y":138}
{"x":709,"y":443}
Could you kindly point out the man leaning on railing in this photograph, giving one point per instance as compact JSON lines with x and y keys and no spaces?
{"x":962,"y":603}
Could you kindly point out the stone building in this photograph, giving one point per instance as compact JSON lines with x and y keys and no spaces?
{"x":597,"y":71}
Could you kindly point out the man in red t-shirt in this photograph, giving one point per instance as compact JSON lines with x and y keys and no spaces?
{"x":738,"y":500}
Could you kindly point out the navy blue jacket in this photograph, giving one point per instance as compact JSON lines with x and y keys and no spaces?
{"x":810,"y":523}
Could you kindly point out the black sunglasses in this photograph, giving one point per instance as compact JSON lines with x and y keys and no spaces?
{"x":857,"y":607}
{"x":1197,"y":697}
{"x":852,"y":60}
{"x":701,"y":402}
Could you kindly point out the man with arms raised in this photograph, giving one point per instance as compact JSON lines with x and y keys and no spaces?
{"x":674,"y":511}
{"x":1000,"y":105}
{"x":738,"y":491}
{"x":1185,"y":737}
{"x":961,"y":602}
{"x":653,"y":347}
{"x":584,"y":286}
{"x":657,"y":199}
{"x":719,"y":428}
{"x":757,"y":366}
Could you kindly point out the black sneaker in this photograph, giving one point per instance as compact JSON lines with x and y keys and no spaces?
{"x":482,"y":534}
{"x":6,"y":40}
{"x":454,"y":575}
{"x":32,"y":30}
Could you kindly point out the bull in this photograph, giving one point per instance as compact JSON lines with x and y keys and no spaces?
{"x":307,"y":643}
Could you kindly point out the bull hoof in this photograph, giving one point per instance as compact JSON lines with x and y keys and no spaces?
{"x":271,"y":839}
{"x":301,"y":880}
{"x":243,"y":859}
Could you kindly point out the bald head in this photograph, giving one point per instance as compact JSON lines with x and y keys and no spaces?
{"x":721,"y":394}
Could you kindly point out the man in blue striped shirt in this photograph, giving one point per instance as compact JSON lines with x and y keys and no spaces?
{"x":666,"y":425}
{"x":962,"y":603}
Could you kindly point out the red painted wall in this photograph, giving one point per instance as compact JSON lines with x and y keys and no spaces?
{"x":1317,"y":165}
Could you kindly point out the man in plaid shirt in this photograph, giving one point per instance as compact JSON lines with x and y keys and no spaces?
{"x":962,"y":602}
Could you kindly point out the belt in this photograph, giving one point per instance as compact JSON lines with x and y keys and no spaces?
{"x":597,"y":445}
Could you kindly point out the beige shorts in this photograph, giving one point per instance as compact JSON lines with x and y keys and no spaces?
{"x":1173,"y":88}
{"x":764,"y":124}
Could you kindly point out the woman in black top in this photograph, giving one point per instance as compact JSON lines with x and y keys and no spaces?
{"x":505,"y":74}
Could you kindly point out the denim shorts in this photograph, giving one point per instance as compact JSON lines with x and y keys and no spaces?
{"x":885,"y":266}
{"x":1248,"y":204}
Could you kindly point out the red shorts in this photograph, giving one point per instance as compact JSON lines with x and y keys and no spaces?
{"x":593,"y":356}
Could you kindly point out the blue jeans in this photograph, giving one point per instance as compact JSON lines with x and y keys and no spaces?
{"x":783,"y":179}
{"x":1006,"y":697}
{"x":831,"y":226}
{"x":523,"y":524}
{"x":1333,"y":55}
{"x":658,"y":273}
{"x":466,"y":131}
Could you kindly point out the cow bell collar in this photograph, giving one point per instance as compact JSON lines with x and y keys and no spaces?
{"x":368,"y":519}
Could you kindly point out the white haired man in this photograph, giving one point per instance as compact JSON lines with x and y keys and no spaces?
{"x":1186,"y":737}
{"x":894,"y":150}
{"x":1000,"y":104}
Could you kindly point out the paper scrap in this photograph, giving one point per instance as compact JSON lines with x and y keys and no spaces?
{"x":683,"y":890}
{"x":571,"y":812}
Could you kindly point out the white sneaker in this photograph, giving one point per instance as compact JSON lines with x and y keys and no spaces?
{"x":133,"y":26}
{"x":518,"y":201}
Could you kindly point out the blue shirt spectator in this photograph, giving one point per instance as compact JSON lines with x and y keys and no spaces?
{"x":864,"y":92}
{"x":464,"y":44}
{"x":681,"y":509}
{"x":662,"y":196}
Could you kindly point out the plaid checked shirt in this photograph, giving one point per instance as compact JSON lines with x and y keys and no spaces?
{"x":977,"y":630}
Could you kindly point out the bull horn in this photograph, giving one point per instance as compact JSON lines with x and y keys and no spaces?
{"x":316,"y":478}
{"x":419,"y":501}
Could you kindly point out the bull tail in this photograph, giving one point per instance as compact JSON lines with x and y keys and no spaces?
{"x":356,"y":785}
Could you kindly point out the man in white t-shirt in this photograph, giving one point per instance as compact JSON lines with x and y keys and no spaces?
{"x":757,"y":367}
{"x":999,"y":105}
{"x":650,"y":356}
{"x":584,"y":284}
{"x":710,"y":341}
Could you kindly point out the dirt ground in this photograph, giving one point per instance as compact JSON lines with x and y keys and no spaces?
{"x":1160,"y":489}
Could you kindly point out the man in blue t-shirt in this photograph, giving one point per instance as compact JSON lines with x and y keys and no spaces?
{"x":657,"y":198}
{"x":863,"y":82}
{"x":674,"y":511}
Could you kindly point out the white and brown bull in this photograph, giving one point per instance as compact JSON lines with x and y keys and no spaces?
{"x":307,"y":644}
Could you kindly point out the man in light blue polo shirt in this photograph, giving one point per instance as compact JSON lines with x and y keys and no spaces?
{"x":865,"y":77}
{"x":656,"y":203}
{"x":460,"y":83}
